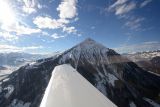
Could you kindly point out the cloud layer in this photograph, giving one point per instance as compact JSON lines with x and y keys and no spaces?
{"x":124,"y":9}
{"x":121,"y":7}
{"x":20,"y":29}
{"x":10,"y":48}
{"x":146,"y":46}
{"x":146,"y":2}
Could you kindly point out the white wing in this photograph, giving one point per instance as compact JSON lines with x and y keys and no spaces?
{"x":69,"y":89}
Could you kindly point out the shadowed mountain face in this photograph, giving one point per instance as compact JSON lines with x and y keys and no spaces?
{"x":119,"y":79}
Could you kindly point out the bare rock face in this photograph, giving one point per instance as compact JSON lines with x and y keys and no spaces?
{"x":119,"y":79}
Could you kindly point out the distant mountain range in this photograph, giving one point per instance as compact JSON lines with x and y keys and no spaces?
{"x":117,"y":77}
{"x":17,"y":59}
{"x":10,"y":62}
{"x":149,"y":61}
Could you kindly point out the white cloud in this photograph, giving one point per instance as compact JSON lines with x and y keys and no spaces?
{"x":56,"y":36}
{"x":64,"y":21}
{"x":121,"y":7}
{"x":11,"y":48}
{"x":146,"y":2}
{"x":76,"y":19}
{"x":47,"y":22}
{"x":30,"y":6}
{"x":29,"y":3}
{"x":41,"y":6}
{"x":50,"y":1}
{"x":134,"y":24}
{"x":117,"y":3}
{"x":8,"y":37}
{"x":45,"y":33}
{"x":31,"y":48}
{"x":151,"y":42}
{"x":125,"y":8}
{"x":29,"y":10}
{"x":20,"y":29}
{"x":67,"y":9}
{"x":69,"y":29}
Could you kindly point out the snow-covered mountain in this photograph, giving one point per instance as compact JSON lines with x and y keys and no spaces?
{"x":10,"y":62}
{"x":119,"y":79}
{"x":139,"y":56}
{"x":149,"y":61}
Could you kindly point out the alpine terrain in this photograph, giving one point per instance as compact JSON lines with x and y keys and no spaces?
{"x":118,"y":78}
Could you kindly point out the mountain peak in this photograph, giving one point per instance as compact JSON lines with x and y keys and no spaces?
{"x":89,"y":40}
{"x":90,"y":43}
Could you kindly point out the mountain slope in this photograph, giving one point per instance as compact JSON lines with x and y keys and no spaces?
{"x":121,"y":80}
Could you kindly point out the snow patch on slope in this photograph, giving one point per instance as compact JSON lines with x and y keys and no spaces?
{"x":131,"y":104}
{"x":101,"y":85}
{"x":19,"y":103}
{"x":154,"y":104}
{"x":112,"y":79}
{"x":9,"y":89}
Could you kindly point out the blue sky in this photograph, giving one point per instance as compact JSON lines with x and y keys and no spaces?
{"x":45,"y":26}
